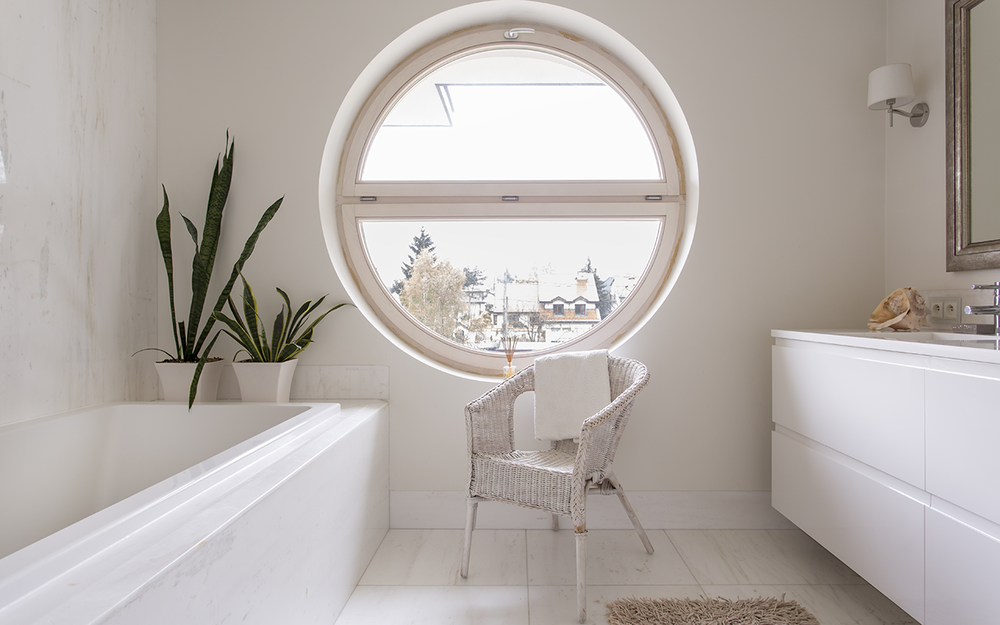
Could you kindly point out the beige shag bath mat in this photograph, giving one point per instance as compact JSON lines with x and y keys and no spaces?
{"x":767,"y":611}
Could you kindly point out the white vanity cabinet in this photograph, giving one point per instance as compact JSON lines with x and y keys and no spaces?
{"x":963,"y":477}
{"x":886,"y":450}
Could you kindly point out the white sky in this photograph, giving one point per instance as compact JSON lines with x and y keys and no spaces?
{"x":511,"y":115}
{"x":614,"y":247}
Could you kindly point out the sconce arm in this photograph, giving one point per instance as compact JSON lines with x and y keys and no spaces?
{"x":918,"y":115}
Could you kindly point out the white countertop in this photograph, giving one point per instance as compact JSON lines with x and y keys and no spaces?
{"x":943,"y":344}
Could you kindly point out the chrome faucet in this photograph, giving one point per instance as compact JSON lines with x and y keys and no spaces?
{"x":988,"y":310}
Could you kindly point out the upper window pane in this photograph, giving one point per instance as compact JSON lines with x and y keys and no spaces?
{"x":512,"y":114}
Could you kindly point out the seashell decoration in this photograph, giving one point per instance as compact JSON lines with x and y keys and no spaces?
{"x":903,"y":309}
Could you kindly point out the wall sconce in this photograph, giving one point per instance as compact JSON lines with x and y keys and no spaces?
{"x":892,"y":85}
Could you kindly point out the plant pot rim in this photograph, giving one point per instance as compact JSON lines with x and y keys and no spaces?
{"x":263,"y":362}
{"x":174,"y":361}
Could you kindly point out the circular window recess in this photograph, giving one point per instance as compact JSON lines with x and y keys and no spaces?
{"x":509,"y":180}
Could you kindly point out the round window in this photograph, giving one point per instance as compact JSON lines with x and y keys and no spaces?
{"x":509,"y":182}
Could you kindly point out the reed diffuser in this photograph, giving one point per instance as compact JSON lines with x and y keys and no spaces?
{"x":509,"y":343}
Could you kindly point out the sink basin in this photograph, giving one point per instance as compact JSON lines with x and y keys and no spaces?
{"x":929,"y":336}
{"x":955,"y":336}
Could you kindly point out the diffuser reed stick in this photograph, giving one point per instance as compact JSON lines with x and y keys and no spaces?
{"x":509,"y":343}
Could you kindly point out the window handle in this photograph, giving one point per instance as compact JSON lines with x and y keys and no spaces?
{"x":514,"y":32}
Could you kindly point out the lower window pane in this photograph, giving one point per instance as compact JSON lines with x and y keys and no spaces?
{"x":543,"y":281}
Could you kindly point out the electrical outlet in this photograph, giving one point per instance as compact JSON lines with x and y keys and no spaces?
{"x":936,"y":308}
{"x":952,"y":309}
{"x":945,"y":309}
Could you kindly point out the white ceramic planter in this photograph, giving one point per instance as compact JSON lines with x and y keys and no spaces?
{"x":265,"y":381}
{"x":175,"y":380}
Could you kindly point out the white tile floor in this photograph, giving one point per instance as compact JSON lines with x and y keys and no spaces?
{"x":519,"y":577}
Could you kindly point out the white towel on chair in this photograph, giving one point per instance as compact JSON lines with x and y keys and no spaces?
{"x":569,"y":388}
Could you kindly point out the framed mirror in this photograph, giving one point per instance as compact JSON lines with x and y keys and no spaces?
{"x":973,"y":94}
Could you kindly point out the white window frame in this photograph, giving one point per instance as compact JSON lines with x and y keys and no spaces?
{"x":428,"y":201}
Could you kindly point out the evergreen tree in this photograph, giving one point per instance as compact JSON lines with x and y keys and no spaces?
{"x":605,"y":301}
{"x":420,"y":243}
{"x":473,"y":277}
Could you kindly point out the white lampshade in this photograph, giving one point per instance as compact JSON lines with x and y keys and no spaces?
{"x":889,"y":82}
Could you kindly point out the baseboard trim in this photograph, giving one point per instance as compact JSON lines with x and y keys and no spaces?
{"x":655,"y":509}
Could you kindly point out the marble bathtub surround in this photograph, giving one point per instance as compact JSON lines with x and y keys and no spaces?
{"x":245,"y":542}
{"x":336,"y":382}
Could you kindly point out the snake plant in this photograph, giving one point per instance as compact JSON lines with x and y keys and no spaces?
{"x":288,"y":337}
{"x":190,"y":337}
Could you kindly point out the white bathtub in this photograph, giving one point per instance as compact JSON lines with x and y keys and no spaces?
{"x":145,"y":513}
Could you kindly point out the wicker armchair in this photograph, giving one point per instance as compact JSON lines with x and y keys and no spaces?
{"x":557,"y":480}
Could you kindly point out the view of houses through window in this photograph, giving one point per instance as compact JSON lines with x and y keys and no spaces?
{"x":545,"y":282}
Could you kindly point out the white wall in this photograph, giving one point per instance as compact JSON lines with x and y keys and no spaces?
{"x":790,"y":232}
{"x":916,"y":186}
{"x":77,"y":133}
{"x":811,"y":209}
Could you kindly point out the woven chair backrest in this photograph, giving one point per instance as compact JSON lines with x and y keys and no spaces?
{"x":627,"y":376}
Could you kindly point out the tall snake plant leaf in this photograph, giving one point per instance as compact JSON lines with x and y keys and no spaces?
{"x":200,"y":275}
{"x":192,"y":230}
{"x":204,"y":257}
{"x":163,"y":235}
{"x":222,"y":180}
{"x":193,"y":392}
{"x":238,"y":267}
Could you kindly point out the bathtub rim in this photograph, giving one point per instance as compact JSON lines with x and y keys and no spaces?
{"x":44,"y":563}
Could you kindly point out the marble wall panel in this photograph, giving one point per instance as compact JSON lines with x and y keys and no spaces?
{"x":77,"y":200}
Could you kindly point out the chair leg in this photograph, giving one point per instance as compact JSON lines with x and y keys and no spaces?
{"x":472,"y":503}
{"x":631,"y":514}
{"x":555,"y":522}
{"x":581,"y":575}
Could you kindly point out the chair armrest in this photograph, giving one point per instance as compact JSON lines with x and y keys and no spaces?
{"x":599,"y":434}
{"x":489,"y":420}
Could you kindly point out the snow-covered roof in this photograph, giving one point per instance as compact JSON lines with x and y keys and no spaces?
{"x":567,"y":287}
{"x":521,"y":297}
{"x":525,"y":295}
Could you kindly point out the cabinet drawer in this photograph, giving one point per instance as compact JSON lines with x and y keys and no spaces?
{"x":869,"y":410}
{"x":872,"y":528}
{"x":963,"y":573}
{"x":963,"y":430}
